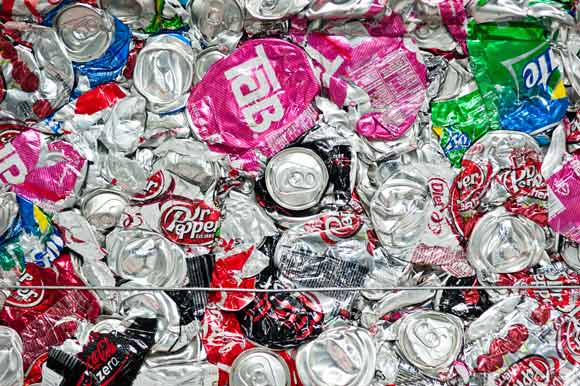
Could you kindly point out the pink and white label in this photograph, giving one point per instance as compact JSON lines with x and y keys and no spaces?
{"x":40,"y":172}
{"x":258,"y":98}
{"x":386,"y":68}
{"x":564,"y":199}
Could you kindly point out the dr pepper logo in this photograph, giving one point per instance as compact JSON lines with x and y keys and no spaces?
{"x":189,"y":222}
{"x":568,"y":339}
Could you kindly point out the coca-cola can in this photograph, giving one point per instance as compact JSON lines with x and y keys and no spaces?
{"x":259,"y":366}
{"x":296,"y":178}
{"x":87,"y":32}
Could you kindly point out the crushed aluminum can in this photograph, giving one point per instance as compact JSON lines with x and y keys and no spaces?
{"x":343,"y":9}
{"x":145,"y":258}
{"x":250,"y":125}
{"x":502,"y":242}
{"x":135,"y":13}
{"x":164,"y":72}
{"x":296,"y":178}
{"x":97,"y":43}
{"x":259,"y":366}
{"x":274,"y":9}
{"x":103,"y":208}
{"x":86,"y":32}
{"x":37,"y":77}
{"x":431,"y":341}
{"x":205,"y":59}
{"x":11,"y":348}
{"x":216,"y":17}
{"x":339,"y":356}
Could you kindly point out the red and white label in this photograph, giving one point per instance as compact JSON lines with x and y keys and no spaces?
{"x":189,"y":222}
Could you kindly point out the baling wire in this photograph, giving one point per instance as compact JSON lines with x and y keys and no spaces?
{"x":553,"y":287}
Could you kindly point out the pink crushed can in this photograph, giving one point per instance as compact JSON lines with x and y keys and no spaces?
{"x":385,"y":68}
{"x":257,"y":100}
{"x":564,"y":199}
{"x":45,"y":173}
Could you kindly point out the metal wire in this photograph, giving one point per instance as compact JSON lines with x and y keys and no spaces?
{"x":290,"y":290}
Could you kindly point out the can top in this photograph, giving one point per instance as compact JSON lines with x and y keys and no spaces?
{"x":213,"y":17}
{"x":86,"y":31}
{"x":344,"y":356}
{"x":296,"y":178}
{"x":164,"y":72}
{"x":503,"y":242}
{"x":204,"y":61}
{"x":259,"y":366}
{"x":269,"y":9}
{"x":431,"y":340}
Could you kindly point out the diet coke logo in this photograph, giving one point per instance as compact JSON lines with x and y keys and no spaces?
{"x":189,"y":222}
{"x":568,"y":339}
{"x":25,"y":298}
{"x":532,"y":370}
{"x":440,"y":198}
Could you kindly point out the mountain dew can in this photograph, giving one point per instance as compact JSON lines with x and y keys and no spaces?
{"x":518,"y":75}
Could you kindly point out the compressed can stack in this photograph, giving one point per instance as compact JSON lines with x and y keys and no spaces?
{"x":362,"y":193}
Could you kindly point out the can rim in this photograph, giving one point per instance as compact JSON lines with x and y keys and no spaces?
{"x":93,"y":55}
{"x":157,"y":46}
{"x":268,"y":175}
{"x":246,"y":353}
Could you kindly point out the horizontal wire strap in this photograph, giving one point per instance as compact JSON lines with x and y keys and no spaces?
{"x":290,"y":290}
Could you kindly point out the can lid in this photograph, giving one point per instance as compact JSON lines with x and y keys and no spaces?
{"x":343,"y":356}
{"x":503,"y":242}
{"x":86,"y":31}
{"x":164,"y":72}
{"x":103,"y":207}
{"x":213,"y":17}
{"x":269,"y":9}
{"x":259,"y":366}
{"x":204,"y":61}
{"x":430,"y":340}
{"x":296,"y":178}
{"x":129,"y":11}
{"x":146,"y":258}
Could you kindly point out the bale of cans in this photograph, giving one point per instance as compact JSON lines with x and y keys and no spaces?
{"x":289,"y":193}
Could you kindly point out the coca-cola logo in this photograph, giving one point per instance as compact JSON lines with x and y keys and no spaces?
{"x":532,"y":370}
{"x":158,"y":185}
{"x":27,"y":297}
{"x":440,"y":198}
{"x":189,"y":222}
{"x":340,"y":224}
{"x":568,"y":339}
{"x":103,"y":351}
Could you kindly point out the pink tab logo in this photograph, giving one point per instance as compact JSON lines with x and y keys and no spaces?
{"x":257,"y":99}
